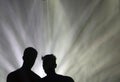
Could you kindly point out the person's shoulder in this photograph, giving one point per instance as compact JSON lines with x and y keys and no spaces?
{"x":44,"y":79}
{"x":66,"y":78}
{"x":70,"y":79}
{"x":36,"y":75}
{"x":11,"y":76}
{"x":13,"y":73}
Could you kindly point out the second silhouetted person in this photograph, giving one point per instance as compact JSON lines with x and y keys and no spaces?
{"x":49,"y":65}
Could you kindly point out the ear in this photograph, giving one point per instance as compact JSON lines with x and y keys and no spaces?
{"x":23,"y":58}
{"x":55,"y":65}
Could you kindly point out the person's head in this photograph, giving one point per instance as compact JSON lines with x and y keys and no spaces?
{"x":29,"y":57}
{"x":49,"y":63}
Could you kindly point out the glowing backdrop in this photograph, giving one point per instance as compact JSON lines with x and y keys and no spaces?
{"x":83,"y":34}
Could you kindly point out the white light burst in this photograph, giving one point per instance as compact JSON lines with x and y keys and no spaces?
{"x":83,"y":34}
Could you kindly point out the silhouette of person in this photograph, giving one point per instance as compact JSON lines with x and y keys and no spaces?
{"x":25,"y":74}
{"x":49,"y":65}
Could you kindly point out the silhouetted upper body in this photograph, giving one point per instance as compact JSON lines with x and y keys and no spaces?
{"x":25,"y":74}
{"x":49,"y":65}
{"x":57,"y":78}
{"x":22,"y":75}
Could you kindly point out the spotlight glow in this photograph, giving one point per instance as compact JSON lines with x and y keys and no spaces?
{"x":83,"y":34}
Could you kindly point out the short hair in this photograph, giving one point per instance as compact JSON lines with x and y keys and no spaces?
{"x":30,"y":51}
{"x":49,"y":57}
{"x":49,"y":61}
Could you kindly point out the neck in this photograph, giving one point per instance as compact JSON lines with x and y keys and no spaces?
{"x":51,"y":73}
{"x":25,"y":67}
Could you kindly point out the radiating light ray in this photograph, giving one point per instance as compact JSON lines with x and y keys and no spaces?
{"x":14,"y":49}
{"x":83,"y":34}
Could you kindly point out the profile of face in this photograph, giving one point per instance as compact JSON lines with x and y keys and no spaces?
{"x":49,"y":63}
{"x":29,"y":57}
